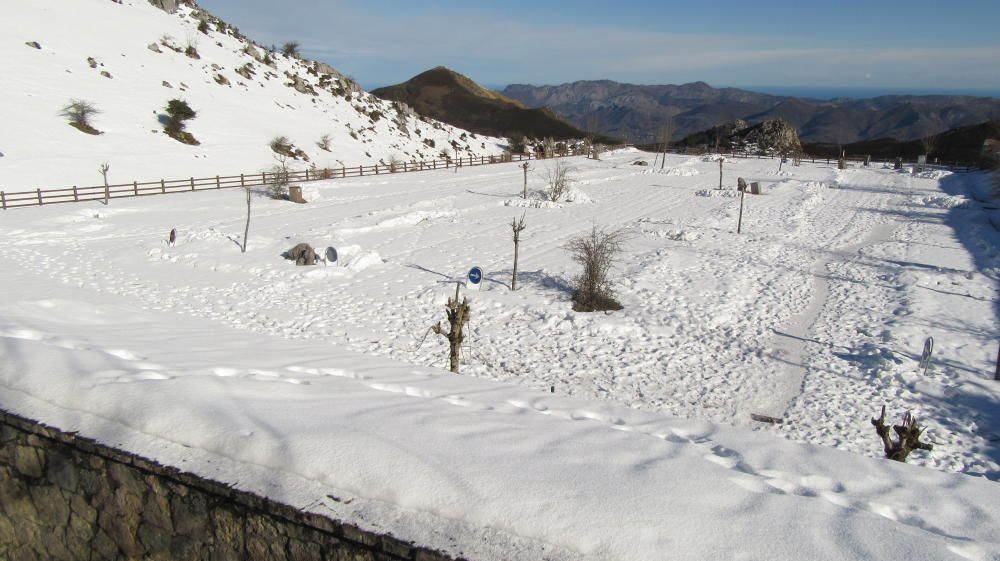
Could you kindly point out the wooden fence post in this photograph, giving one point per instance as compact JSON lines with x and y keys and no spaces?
{"x":343,"y":172}
{"x":307,"y":175}
{"x":218,"y":185}
{"x":3,"y":199}
{"x":135,"y":188}
{"x":76,"y":195}
{"x":39,"y":192}
{"x":192,"y":184}
{"x":242,"y":181}
{"x":361,"y":171}
{"x":163,"y":187}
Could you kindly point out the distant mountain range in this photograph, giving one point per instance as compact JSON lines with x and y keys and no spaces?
{"x":637,"y":112}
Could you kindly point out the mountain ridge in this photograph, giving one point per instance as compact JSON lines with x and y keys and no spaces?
{"x":453,"y":98}
{"x":638,"y":111}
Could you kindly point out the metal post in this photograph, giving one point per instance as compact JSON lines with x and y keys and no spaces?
{"x":996,"y":375}
{"x":739,"y":223}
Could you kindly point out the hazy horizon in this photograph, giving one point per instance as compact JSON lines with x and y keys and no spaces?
{"x":892,"y":45}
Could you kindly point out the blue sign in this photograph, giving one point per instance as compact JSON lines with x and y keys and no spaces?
{"x":475,"y":276}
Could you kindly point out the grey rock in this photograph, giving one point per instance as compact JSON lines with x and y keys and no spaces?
{"x":302,"y":254}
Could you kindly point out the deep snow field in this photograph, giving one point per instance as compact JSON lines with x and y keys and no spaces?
{"x":317,"y":382}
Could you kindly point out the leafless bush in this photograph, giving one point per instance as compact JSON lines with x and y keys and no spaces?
{"x":324,"y":142}
{"x":278,"y":177}
{"x":597,"y":252}
{"x":549,"y":147}
{"x":558,"y":181}
{"x":282,"y":145}
{"x":290,"y":49}
{"x":79,"y":113}
{"x":394,"y":163}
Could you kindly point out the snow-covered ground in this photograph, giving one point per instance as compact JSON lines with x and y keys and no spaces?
{"x":237,"y":115}
{"x":624,"y":435}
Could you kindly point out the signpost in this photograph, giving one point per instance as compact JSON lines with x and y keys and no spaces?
{"x":475,"y":278}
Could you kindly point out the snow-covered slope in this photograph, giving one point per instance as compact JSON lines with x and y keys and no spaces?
{"x":237,"y":116}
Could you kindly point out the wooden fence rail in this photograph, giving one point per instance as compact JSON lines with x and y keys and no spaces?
{"x":39,"y":197}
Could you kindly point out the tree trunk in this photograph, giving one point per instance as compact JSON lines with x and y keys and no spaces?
{"x":246,"y":230}
{"x":513,"y":279}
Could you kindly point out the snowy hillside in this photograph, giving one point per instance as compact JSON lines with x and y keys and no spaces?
{"x":129,"y":59}
{"x":618,"y":436}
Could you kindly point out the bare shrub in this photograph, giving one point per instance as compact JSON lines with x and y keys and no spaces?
{"x":278,"y":178}
{"x":282,"y":145}
{"x":558,"y":181}
{"x":324,"y":142}
{"x":79,"y":113}
{"x":394,"y":163}
{"x":597,"y":252}
{"x":290,"y":49}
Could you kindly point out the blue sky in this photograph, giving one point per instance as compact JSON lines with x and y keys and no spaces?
{"x":881,"y":44}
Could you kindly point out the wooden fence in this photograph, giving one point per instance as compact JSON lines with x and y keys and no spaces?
{"x":39,"y":197}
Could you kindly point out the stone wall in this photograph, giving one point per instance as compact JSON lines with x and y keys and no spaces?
{"x":63,"y":496}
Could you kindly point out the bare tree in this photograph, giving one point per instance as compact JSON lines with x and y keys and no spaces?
{"x":549,"y":146}
{"x":279,"y":177}
{"x":525,"y":166}
{"x":597,"y":252}
{"x":79,"y":113}
{"x":929,"y":143}
{"x":458,"y":316}
{"x":246,"y":229}
{"x":558,"y":181}
{"x":103,"y":170}
{"x":666,"y":134}
{"x":516,"y":226}
{"x":907,"y":437}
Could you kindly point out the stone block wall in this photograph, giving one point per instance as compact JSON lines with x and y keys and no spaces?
{"x":66,"y":497}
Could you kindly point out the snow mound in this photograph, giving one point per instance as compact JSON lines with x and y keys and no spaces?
{"x":933,"y":174}
{"x":946,"y":201}
{"x":676,"y":234}
{"x":713,"y":158}
{"x":540,"y":200}
{"x":674,"y":172}
{"x":717,"y":193}
{"x":355,"y":259}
